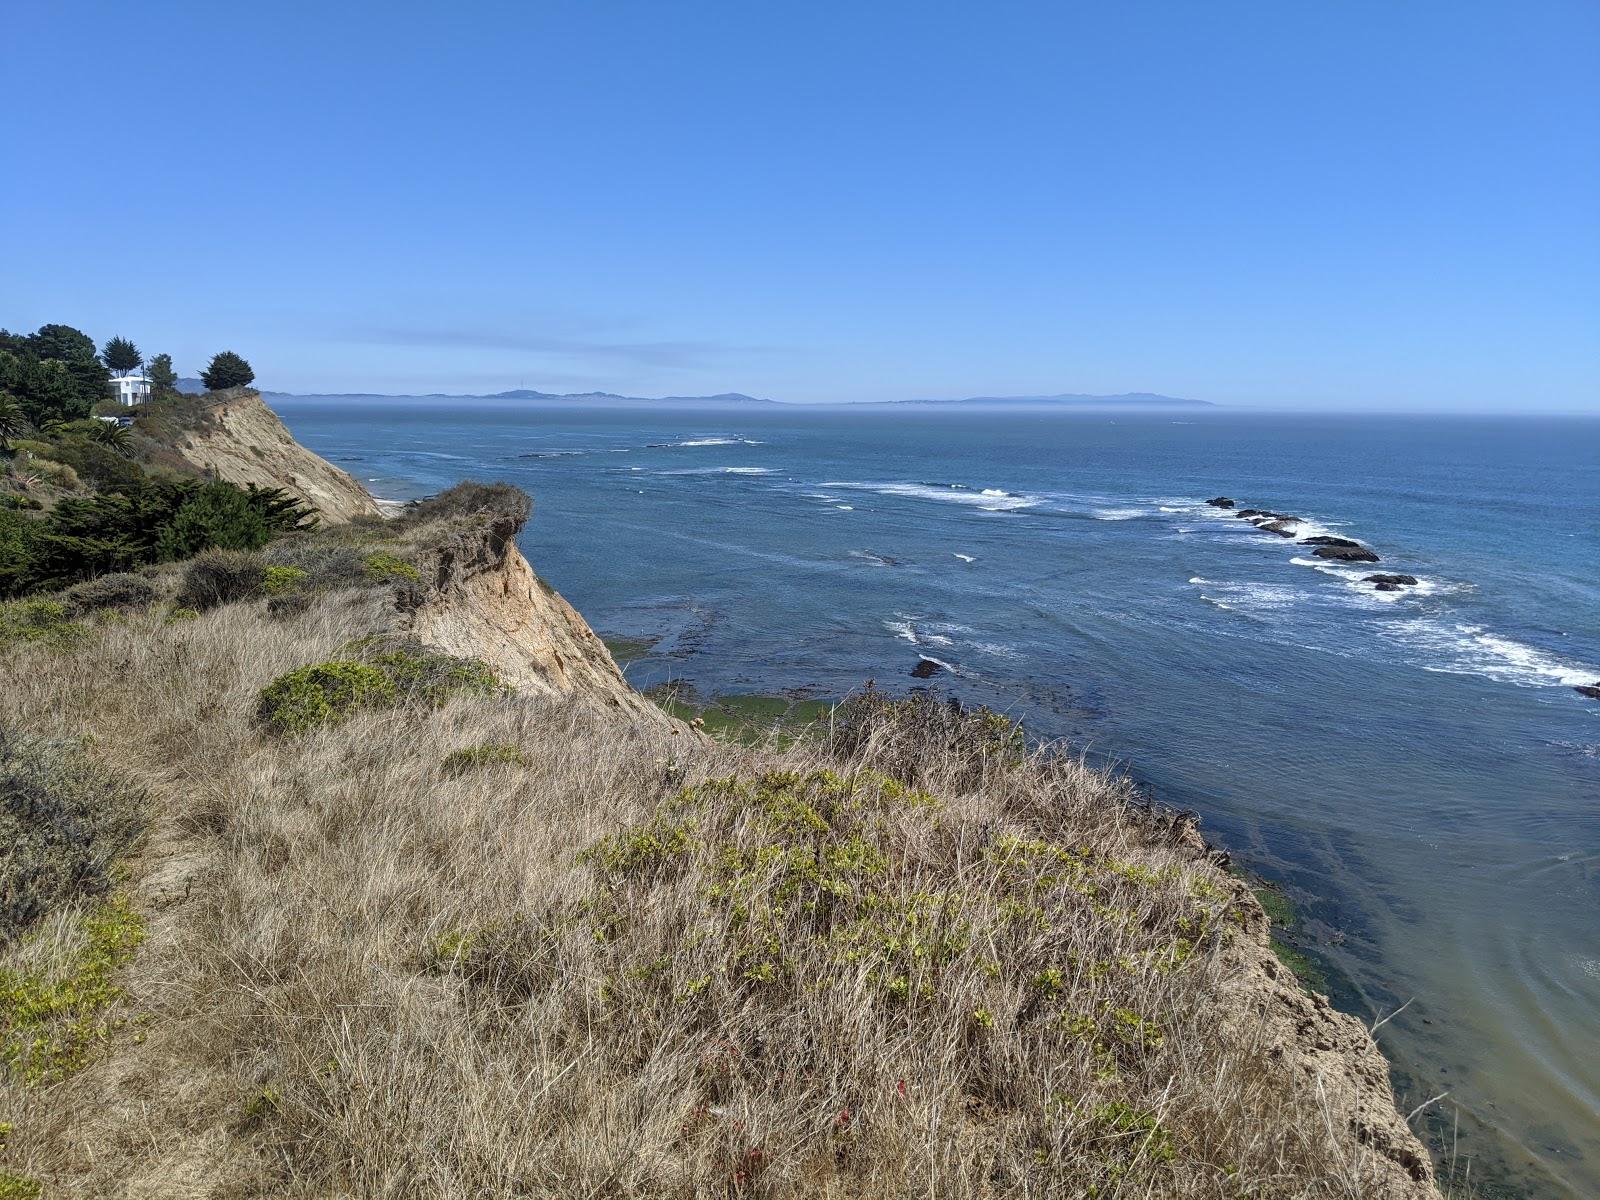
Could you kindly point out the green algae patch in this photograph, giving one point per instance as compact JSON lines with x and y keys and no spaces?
{"x":323,"y":694}
{"x":747,"y":718}
{"x":625,"y":650}
{"x":1285,"y":920}
{"x":489,"y":754}
{"x":52,"y":1016}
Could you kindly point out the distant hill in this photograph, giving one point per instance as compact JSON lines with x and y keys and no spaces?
{"x":601,"y":399}
{"x":1081,"y":400}
{"x":590,"y":398}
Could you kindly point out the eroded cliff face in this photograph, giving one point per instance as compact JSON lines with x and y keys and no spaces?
{"x":243,"y":441}
{"x":479,"y":598}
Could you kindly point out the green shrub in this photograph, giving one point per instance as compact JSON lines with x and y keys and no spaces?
{"x":119,"y":590}
{"x":423,"y":674}
{"x":323,"y":694}
{"x":44,"y":621}
{"x":490,"y":754}
{"x":328,"y":564}
{"x":63,"y":475}
{"x":221,"y":577}
{"x":12,"y":500}
{"x":281,"y":580}
{"x":388,"y":566}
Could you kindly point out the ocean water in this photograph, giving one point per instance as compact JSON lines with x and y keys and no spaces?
{"x":1413,"y":767}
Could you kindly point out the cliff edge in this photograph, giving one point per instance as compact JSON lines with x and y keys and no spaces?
{"x":238,"y":438}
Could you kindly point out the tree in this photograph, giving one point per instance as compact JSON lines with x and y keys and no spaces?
{"x":162,"y":377}
{"x":12,"y":421}
{"x":121,"y":355}
{"x":113,"y":437}
{"x":227,"y":370}
{"x":62,"y":342}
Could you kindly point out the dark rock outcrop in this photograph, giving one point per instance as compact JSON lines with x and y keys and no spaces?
{"x":1283,"y":528}
{"x":926,"y":668}
{"x":1386,"y":582}
{"x":1247,"y":513}
{"x":1345,"y":553}
{"x":1327,"y":539}
{"x":1591,"y":690}
{"x":1220,"y":502}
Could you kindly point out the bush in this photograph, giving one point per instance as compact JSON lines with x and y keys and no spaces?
{"x":280,"y":580}
{"x":44,"y":621}
{"x":63,"y":821}
{"x":425,"y":675}
{"x":221,"y":577}
{"x":505,"y":500}
{"x":12,"y":500}
{"x":323,"y":694}
{"x":62,"y":475}
{"x":280,"y":608}
{"x":119,"y":590}
{"x":388,"y":566}
{"x":328,"y":564}
{"x":490,"y":754}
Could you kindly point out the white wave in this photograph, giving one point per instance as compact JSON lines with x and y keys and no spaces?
{"x":845,"y":507}
{"x":1355,"y":578}
{"x":1253,"y":596}
{"x":1197,"y":579}
{"x":717,"y":441}
{"x":993,"y":492}
{"x":747,"y":470}
{"x":997,"y":649}
{"x":1119,"y":514}
{"x":939,"y":662}
{"x":965,"y":557}
{"x":902,"y":629}
{"x":1472,"y":650}
{"x":987,"y":500}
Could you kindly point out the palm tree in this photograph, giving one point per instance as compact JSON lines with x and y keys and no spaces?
{"x":114,"y":437}
{"x":12,"y":423}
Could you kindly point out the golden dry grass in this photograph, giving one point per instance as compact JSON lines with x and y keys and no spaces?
{"x":365,"y":974}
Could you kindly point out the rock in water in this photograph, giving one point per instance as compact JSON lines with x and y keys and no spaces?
{"x":1220,"y":502}
{"x":1389,"y":582}
{"x":1327,"y":539}
{"x":926,"y":668}
{"x":1246,"y":513}
{"x":1345,"y":553}
{"x":1283,"y":528}
{"x":1591,"y":690}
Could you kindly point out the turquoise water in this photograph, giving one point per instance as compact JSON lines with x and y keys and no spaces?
{"x":1414,"y":767}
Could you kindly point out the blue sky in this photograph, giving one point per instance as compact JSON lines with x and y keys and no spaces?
{"x":1342,"y":205}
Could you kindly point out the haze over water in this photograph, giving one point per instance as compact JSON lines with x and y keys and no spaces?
{"x":1415,"y":766}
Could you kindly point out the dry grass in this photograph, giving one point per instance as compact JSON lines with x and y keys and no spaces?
{"x":941,"y":970}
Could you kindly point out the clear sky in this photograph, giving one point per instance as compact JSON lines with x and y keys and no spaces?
{"x":1392,"y":204}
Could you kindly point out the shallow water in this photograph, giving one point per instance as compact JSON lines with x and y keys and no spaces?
{"x":1415,"y":766}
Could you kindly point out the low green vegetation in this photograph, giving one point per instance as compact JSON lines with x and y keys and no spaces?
{"x":1285,"y":920}
{"x":384,"y":565}
{"x":52,"y":1015}
{"x":489,"y":754}
{"x":378,"y":673}
{"x":322,"y":694}
{"x":45,"y":621}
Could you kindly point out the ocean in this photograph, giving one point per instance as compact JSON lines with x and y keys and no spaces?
{"x":1412,"y":767}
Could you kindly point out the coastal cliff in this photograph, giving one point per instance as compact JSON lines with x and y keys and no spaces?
{"x":423,"y":900}
{"x":238,"y":438}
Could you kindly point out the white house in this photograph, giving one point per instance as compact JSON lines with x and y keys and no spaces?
{"x":130,"y":387}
